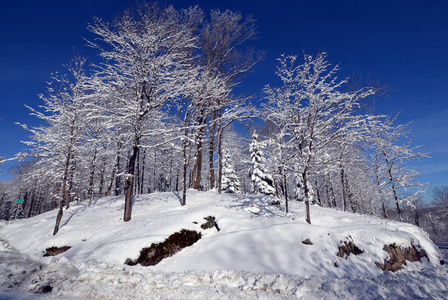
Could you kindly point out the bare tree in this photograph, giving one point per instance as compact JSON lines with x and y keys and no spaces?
{"x":144,"y":54}
{"x":390,"y":157}
{"x":57,"y":140}
{"x":315,"y":112}
{"x":441,"y":198}
{"x":221,"y":38}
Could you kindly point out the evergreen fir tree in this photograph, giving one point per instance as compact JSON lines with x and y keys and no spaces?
{"x":262,"y":182}
{"x":230,"y":182}
{"x":17,"y":213}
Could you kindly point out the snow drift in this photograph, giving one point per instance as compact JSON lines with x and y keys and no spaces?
{"x":259,"y":250}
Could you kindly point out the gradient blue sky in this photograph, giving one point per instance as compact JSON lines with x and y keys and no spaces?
{"x":402,"y":43}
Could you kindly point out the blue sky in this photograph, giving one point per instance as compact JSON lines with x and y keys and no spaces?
{"x":402,"y":43}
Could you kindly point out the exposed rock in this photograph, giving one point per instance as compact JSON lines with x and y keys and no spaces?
{"x":307,"y":242}
{"x":173,"y":244}
{"x":211,"y":222}
{"x":347,"y":248}
{"x":45,"y":289}
{"x":398,"y":256}
{"x":53,"y":251}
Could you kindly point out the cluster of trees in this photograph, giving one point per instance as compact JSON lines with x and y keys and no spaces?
{"x":157,"y":113}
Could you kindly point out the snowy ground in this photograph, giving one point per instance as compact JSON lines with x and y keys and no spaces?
{"x":258,"y":254}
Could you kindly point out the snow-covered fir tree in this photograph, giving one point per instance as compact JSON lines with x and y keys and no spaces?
{"x":17,"y":213}
{"x":262,"y":182}
{"x":230,"y":182}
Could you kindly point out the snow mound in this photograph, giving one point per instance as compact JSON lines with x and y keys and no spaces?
{"x":257,"y":254}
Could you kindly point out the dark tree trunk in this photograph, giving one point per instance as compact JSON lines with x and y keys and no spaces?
{"x":417,"y":218}
{"x":64,"y":189}
{"x":344,"y":196}
{"x":137,"y":175}
{"x":211,"y":151}
{"x":384,"y":208}
{"x":400,"y":215}
{"x":319,"y":200}
{"x":102,"y":171}
{"x":307,"y":199}
{"x":220,"y":164}
{"x":286,"y":193}
{"x":352,"y":202}
{"x":118,"y":178}
{"x":39,"y":203}
{"x":186,"y":160}
{"x":197,"y":168}
{"x":184,"y":176}
{"x":33,"y":197}
{"x":154,"y":171}
{"x":129,"y":184}
{"x":114,"y":171}
{"x":59,"y":217}
{"x":333,"y":196}
{"x":383,"y":201}
{"x":184,"y":186}
{"x":24,"y":205}
{"x":142,"y":177}
{"x":70,"y":185}
{"x":220,"y":132}
{"x":91,"y":178}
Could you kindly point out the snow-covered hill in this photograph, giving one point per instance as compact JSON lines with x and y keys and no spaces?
{"x":258,"y":252}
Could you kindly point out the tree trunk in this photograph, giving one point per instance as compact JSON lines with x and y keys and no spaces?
{"x":102,"y":171}
{"x":64,"y":189}
{"x":142,"y":177}
{"x":417,"y":218}
{"x":25,"y":202}
{"x":114,"y":171}
{"x":395,"y":196}
{"x":91,"y":178}
{"x":332,"y":200}
{"x":154,"y":171}
{"x":384,"y":208}
{"x":70,"y":185}
{"x":39,"y":202}
{"x":137,"y":175}
{"x":118,"y":178}
{"x":307,"y":199}
{"x":197,"y":168}
{"x":220,"y":163}
{"x":184,"y":173}
{"x":318,"y":193}
{"x":328,"y":195}
{"x":59,"y":217}
{"x":211,"y":151}
{"x":33,"y":197}
{"x":286,"y":193}
{"x":383,"y":201}
{"x":344,"y":196}
{"x":353,"y":205}
{"x":184,"y":186}
{"x":129,"y":184}
{"x":220,"y":133}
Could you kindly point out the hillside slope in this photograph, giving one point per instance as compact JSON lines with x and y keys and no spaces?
{"x":258,"y":249}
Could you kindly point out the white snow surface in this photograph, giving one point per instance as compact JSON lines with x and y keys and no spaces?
{"x":257,"y":254}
